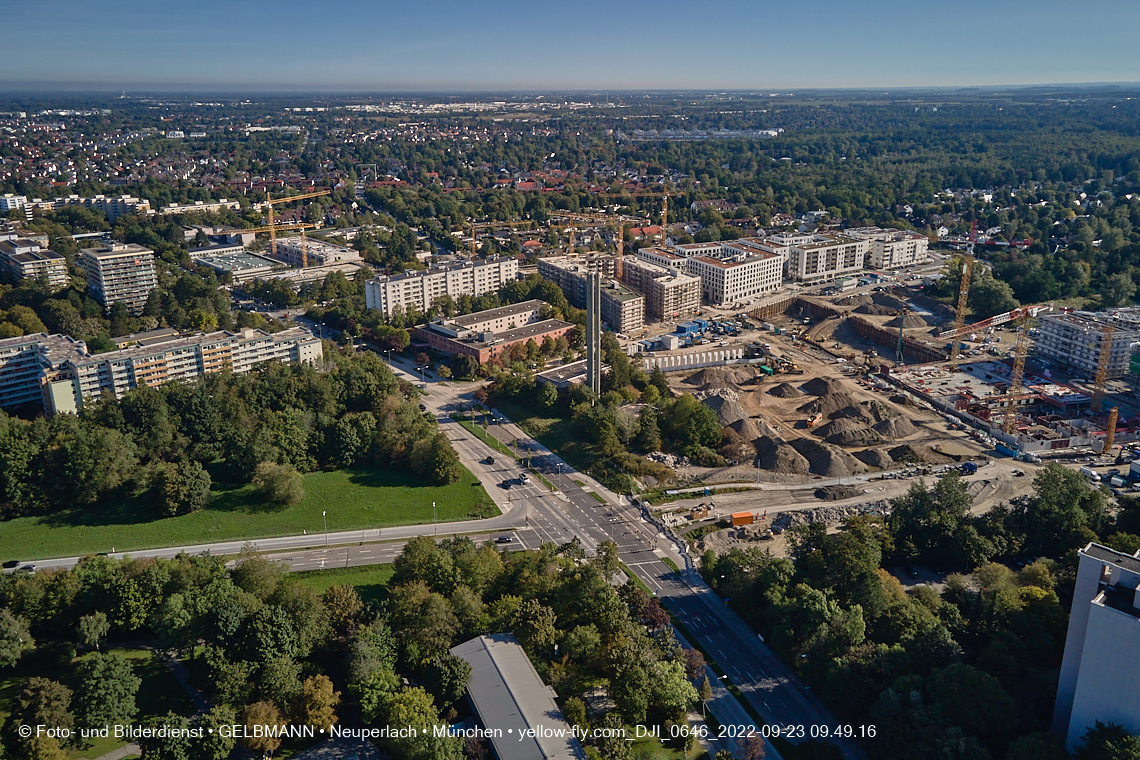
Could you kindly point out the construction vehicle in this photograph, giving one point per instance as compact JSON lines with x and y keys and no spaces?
{"x":767,"y":370}
{"x":271,"y":202}
{"x":969,"y":468}
{"x":815,"y":419}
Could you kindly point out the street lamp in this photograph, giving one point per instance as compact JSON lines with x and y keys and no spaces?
{"x":388,"y":351}
{"x":612,"y":521}
{"x":423,"y":377}
{"x":434,"y":522}
{"x":326,"y":522}
{"x":560,"y":488}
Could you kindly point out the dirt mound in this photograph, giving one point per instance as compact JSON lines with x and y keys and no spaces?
{"x":774,"y":454}
{"x":902,"y":400}
{"x":826,"y":460}
{"x":908,"y":453}
{"x":828,"y":404}
{"x":856,"y":300}
{"x":720,"y":377}
{"x":908,"y":322}
{"x":752,"y":430}
{"x":895,"y":427}
{"x":875,"y":458}
{"x":847,"y":432}
{"x":891,"y":302}
{"x":822,"y":386}
{"x":837,"y":493}
{"x":875,"y":310}
{"x":784,"y":390}
{"x":727,"y":411}
{"x":869,"y":412}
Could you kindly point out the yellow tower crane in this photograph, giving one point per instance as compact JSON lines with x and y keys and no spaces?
{"x":1110,"y":431}
{"x":664,"y":195}
{"x":271,"y":202}
{"x":963,"y":293}
{"x":1016,"y":375}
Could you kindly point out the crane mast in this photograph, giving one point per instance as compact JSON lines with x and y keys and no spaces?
{"x":963,"y":293}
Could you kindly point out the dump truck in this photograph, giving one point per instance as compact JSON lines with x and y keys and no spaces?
{"x":767,"y":370}
{"x":969,"y":468}
{"x":815,"y":420}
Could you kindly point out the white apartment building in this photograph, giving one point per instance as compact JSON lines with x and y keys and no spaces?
{"x":120,"y":272}
{"x":891,"y":249}
{"x":112,"y":207}
{"x":420,"y":289}
{"x":197,"y":206}
{"x":669,"y":292}
{"x":663,"y":258}
{"x":26,"y":361}
{"x":165,"y":359}
{"x":621,"y":308}
{"x":819,"y":258}
{"x":1075,"y":339}
{"x":1101,"y":666}
{"x":294,"y":250}
{"x":729,"y":281}
{"x":11,"y":202}
{"x":25,"y":259}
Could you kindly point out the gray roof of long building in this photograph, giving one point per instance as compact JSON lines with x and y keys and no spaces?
{"x":508,"y":694}
{"x":499,"y":312}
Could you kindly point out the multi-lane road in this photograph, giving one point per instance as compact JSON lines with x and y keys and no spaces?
{"x":581,"y":508}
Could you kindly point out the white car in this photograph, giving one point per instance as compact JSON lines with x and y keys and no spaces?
{"x":524,"y":478}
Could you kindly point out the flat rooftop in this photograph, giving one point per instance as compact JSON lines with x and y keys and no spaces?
{"x":533,"y":330}
{"x":1112,"y":557}
{"x":234,"y":262}
{"x":499,"y":312}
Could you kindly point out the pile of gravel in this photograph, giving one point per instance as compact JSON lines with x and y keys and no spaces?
{"x":824,"y":386}
{"x":847,"y":432}
{"x":875,"y":458}
{"x":837,"y":493}
{"x":784,"y":390}
{"x":829,"y":404}
{"x":891,"y":302}
{"x":727,"y":411}
{"x":776,"y":455}
{"x":908,"y":453}
{"x":856,"y":300}
{"x":910,"y":321}
{"x":875,"y":310}
{"x":827,"y":460}
{"x":896,"y":427}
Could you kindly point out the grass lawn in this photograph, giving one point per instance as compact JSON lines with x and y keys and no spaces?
{"x":555,"y":433}
{"x":354,"y":499}
{"x":160,"y":691}
{"x":371,"y":581}
{"x":485,"y":436}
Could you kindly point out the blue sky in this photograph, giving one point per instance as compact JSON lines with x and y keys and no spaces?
{"x":590,"y":44}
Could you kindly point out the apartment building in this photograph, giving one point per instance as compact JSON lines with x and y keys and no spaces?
{"x":1101,"y":666}
{"x":1076,"y":338}
{"x":197,"y":206}
{"x":662,"y":258}
{"x":168,"y":358}
{"x":891,"y":249}
{"x":487,"y":334}
{"x":669,"y":292}
{"x":27,"y":361}
{"x":12,"y":202}
{"x":819,"y":258}
{"x":23,"y":259}
{"x":294,"y":250}
{"x":119,"y":272}
{"x":728,"y":281}
{"x":113,"y":207}
{"x":419,"y":289}
{"x":621,"y":308}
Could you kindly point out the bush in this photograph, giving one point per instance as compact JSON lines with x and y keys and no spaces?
{"x":278,"y":483}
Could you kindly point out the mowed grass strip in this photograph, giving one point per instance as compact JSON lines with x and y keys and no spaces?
{"x":354,"y":499}
{"x":371,"y":581}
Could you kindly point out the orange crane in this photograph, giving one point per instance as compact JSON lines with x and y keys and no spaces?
{"x":1110,"y":431}
{"x":1016,"y":374}
{"x":963,"y":292}
{"x":271,"y":202}
{"x":1103,"y":360}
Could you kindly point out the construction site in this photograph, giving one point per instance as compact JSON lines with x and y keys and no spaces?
{"x":849,"y":399}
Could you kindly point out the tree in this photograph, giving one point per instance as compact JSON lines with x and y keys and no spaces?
{"x":989,"y":297}
{"x":612,"y":744}
{"x":107,"y":689}
{"x":413,"y":707}
{"x":1117,"y":290}
{"x":706,"y":692}
{"x":1108,"y":742}
{"x":446,"y":678}
{"x":93,"y":628}
{"x":280,"y":680}
{"x":279,"y":483}
{"x":45,"y":702}
{"x":1038,"y":746}
{"x":436,"y":460}
{"x":318,"y":701}
{"x":184,"y":487}
{"x":15,"y":638}
{"x":648,"y":435}
{"x":534,"y":625}
{"x":575,"y":712}
{"x":344,"y":606}
{"x":754,"y":747}
{"x":694,"y":663}
{"x":215,"y":743}
{"x":172,"y":744}
{"x":261,"y":714}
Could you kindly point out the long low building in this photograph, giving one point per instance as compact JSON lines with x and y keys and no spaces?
{"x":454,"y":340}
{"x":419,"y":289}
{"x":60,"y":373}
